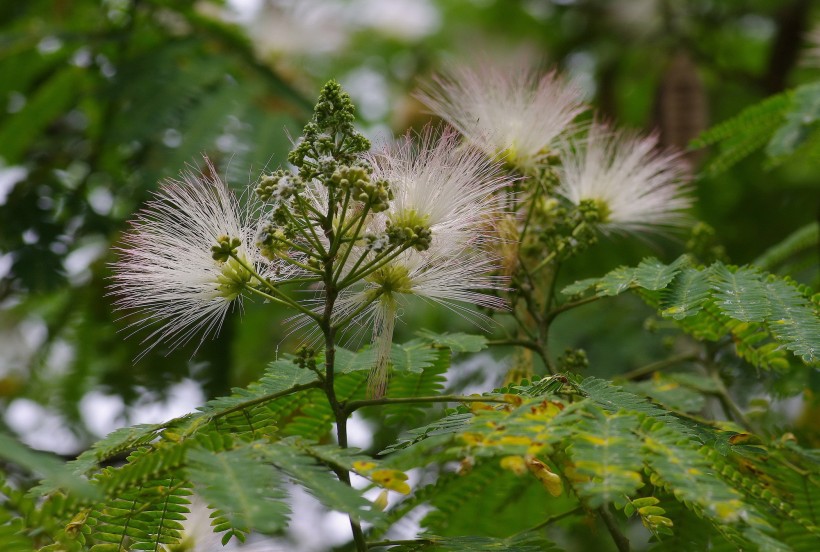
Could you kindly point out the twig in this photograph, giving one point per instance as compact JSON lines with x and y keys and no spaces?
{"x":380,"y":544}
{"x":621,"y":542}
{"x":552,"y":519}
{"x":552,"y":314}
{"x":656,"y":366}
{"x":355,"y":405}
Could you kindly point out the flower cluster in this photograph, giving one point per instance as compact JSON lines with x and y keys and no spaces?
{"x":615,"y":180}
{"x":510,"y":114}
{"x":170,"y":273}
{"x":432,"y":216}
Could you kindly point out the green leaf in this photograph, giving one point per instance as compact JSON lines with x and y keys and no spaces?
{"x":653,"y":275}
{"x":740,"y":294}
{"x":457,"y":342}
{"x":248,"y":492}
{"x":686,"y":296}
{"x":280,"y":377}
{"x":413,"y":356}
{"x":580,"y":286}
{"x":56,"y":473}
{"x":606,"y":450}
{"x":348,"y":361}
{"x":793,"y":321}
{"x":746,"y":132}
{"x":616,"y":282}
{"x":669,"y":393}
{"x":318,"y":480}
{"x":50,"y":101}
{"x":800,"y":121}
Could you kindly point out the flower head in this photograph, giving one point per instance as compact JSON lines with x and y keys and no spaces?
{"x":510,"y":114}
{"x":634,"y":186}
{"x":172,"y":271}
{"x":451,"y":279}
{"x":440,"y":185}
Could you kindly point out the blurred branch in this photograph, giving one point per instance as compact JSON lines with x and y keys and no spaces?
{"x":792,"y":23}
{"x":237,"y":43}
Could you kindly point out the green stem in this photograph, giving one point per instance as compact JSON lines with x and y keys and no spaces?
{"x":621,"y":542}
{"x":334,"y":247}
{"x":552,"y":314}
{"x":267,"y":398}
{"x":344,"y":321}
{"x":530,"y":344}
{"x":276,"y":292}
{"x":352,"y":406}
{"x":313,"y":238}
{"x":329,"y":332}
{"x":290,"y":260}
{"x":349,"y":249}
{"x":729,"y":406}
{"x":384,"y":543}
{"x":370,"y":269}
{"x":548,"y":259}
{"x":267,"y":296}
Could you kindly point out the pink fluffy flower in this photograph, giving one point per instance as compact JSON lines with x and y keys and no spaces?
{"x":512,"y":114}
{"x":166,"y":274}
{"x":636,"y":186}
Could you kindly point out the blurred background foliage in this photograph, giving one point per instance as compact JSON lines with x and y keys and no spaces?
{"x":102,"y":99}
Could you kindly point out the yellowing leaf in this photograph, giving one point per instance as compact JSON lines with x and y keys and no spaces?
{"x":551,"y":481}
{"x":381,"y":501}
{"x":394,"y":480}
{"x":362,"y":466}
{"x":515,"y":464}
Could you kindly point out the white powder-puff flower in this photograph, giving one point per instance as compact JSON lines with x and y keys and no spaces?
{"x":510,"y":113}
{"x":441,"y":185}
{"x":451,"y":279}
{"x":167,"y":274}
{"x":635,"y":186}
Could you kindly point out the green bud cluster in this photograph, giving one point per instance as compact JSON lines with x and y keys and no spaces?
{"x":703,"y":244}
{"x":573,"y":360}
{"x":376,"y":195}
{"x":377,"y":242}
{"x":273,"y":240}
{"x":567,"y":232}
{"x":279,"y":186}
{"x":330,"y":138}
{"x":306,"y":358}
{"x":418,"y":236}
{"x":224,"y":248}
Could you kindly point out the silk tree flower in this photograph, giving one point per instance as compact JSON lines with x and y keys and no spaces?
{"x":635,"y":186}
{"x":441,"y":185}
{"x":453,"y":279}
{"x":167,"y":274}
{"x":510,"y":114}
